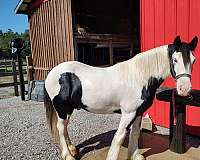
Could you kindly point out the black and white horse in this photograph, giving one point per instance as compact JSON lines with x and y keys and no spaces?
{"x":128,"y":87}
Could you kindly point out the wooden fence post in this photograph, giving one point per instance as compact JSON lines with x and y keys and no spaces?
{"x":15,"y":77}
{"x":21,"y":76}
{"x":177,"y":139}
{"x":178,"y":115}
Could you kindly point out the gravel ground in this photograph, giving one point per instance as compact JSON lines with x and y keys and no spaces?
{"x":24,"y":133}
{"x":6,"y":92}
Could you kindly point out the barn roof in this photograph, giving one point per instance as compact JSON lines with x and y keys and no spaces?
{"x":22,"y":7}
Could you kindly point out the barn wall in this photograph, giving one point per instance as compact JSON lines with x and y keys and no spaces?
{"x":161,"y":21}
{"x":51,"y":36}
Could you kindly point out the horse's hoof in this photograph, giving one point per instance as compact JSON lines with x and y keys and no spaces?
{"x":69,"y":158}
{"x":73,"y":150}
{"x":139,"y":157}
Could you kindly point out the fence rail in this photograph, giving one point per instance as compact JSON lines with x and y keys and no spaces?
{"x":10,"y":84}
{"x":6,"y":74}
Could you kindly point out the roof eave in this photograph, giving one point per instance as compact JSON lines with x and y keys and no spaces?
{"x":22,"y":7}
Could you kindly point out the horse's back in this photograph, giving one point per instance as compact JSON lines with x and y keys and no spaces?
{"x":82,"y":71}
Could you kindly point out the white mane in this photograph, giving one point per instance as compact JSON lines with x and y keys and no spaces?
{"x":152,"y":63}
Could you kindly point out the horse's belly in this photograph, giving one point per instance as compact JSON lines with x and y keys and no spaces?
{"x":100,"y":101}
{"x":103,"y":109}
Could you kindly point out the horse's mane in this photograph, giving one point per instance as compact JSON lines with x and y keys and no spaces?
{"x":146,"y":64}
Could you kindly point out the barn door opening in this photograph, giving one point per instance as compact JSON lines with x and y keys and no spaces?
{"x":103,"y":31}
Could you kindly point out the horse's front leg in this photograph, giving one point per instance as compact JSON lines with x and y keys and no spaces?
{"x":133,"y":152}
{"x":120,"y":135}
{"x":65,"y":153}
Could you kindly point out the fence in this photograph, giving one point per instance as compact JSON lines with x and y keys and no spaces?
{"x":10,"y":68}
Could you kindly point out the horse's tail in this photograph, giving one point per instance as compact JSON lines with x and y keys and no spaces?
{"x":51,"y":116}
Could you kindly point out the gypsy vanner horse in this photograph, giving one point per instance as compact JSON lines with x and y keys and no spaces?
{"x":128,"y":87}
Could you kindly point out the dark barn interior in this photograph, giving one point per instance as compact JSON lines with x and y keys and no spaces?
{"x":102,"y":31}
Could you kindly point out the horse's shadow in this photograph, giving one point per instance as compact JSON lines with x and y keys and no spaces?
{"x":95,"y":143}
{"x":153,"y":143}
{"x":104,"y":140}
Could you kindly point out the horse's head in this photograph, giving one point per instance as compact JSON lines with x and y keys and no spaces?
{"x":181,"y":62}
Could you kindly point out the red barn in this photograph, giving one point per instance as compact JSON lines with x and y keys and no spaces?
{"x":161,"y":21}
{"x":125,"y":26}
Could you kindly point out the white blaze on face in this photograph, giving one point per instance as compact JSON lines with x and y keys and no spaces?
{"x":183,"y":83}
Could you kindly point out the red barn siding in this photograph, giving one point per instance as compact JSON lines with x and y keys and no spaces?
{"x":161,"y":21}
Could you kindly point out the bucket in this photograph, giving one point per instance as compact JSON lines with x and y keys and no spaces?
{"x":36,"y":90}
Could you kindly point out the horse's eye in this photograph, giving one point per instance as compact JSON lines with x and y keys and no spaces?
{"x":175,"y":60}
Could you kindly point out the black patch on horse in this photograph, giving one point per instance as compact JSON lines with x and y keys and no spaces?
{"x":148,"y":94}
{"x":70,"y":94}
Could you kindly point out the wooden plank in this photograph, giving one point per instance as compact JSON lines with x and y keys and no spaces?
{"x":56,"y":58}
{"x":3,"y":74}
{"x":63,"y":27}
{"x":65,"y":32}
{"x":70,"y":29}
{"x":111,"y":52}
{"x":165,"y":94}
{"x":43,"y":45}
{"x":45,"y":37}
{"x":6,"y":63}
{"x":52,"y":33}
{"x":10,"y":84}
{"x":49,"y":33}
{"x":37,"y":42}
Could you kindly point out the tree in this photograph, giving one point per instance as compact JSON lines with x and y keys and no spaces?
{"x":6,"y":37}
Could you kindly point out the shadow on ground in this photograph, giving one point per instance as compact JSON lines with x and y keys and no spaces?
{"x":151,"y":143}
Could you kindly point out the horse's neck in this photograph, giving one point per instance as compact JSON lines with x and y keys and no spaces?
{"x":156,"y":62}
{"x":152,"y":63}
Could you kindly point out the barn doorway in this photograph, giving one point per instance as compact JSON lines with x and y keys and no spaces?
{"x":105,"y":31}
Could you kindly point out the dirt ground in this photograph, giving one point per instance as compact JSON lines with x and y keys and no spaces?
{"x":8,"y":92}
{"x":25,"y":135}
{"x":153,"y":147}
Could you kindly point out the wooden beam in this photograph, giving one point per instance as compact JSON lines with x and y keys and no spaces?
{"x":111,"y":52}
{"x":11,"y":84}
{"x":165,"y":94}
{"x":178,"y":115}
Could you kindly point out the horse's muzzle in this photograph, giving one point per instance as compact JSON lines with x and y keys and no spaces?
{"x":184,"y":86}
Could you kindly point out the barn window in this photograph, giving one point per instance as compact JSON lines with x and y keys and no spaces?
{"x":102,"y":31}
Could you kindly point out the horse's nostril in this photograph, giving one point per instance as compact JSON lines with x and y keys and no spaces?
{"x":181,"y":88}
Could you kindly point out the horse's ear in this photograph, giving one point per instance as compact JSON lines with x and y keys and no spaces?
{"x":193,"y":43}
{"x":177,"y":41}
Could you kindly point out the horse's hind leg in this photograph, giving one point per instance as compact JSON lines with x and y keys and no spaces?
{"x":133,"y":152}
{"x":71,"y":147}
{"x":65,"y":153}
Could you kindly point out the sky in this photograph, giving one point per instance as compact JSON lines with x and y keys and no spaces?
{"x":10,"y":20}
